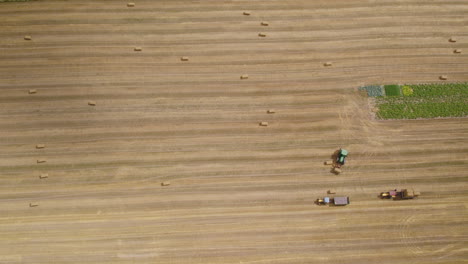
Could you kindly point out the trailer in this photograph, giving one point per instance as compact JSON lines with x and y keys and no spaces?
{"x":336,"y":201}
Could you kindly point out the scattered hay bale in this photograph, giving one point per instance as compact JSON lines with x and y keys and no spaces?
{"x":244,"y":76}
{"x":130,"y":4}
{"x":40,"y":146}
{"x":452,"y":39}
{"x":27,"y":38}
{"x":337,"y":170}
{"x":33,"y":205}
{"x":443,"y":77}
{"x":328,"y":162}
{"x":263,"y":123}
{"x":166,"y":183}
{"x":137,"y":49}
{"x":262,"y":35}
{"x":184,"y":58}
{"x":331,"y":192}
{"x":93,"y":103}
{"x":43,"y":176}
{"x":41,"y":161}
{"x":264,"y":23}
{"x":271,"y":111}
{"x":246,"y":13}
{"x":32,"y":91}
{"x":457,"y":51}
{"x":328,"y":64}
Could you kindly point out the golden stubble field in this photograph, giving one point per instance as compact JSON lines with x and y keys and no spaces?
{"x":240,"y":192}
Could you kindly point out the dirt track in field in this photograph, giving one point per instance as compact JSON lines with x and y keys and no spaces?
{"x":239,"y":193}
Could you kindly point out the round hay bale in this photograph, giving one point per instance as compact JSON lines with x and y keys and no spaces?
{"x":337,"y":170}
{"x":166,"y":183}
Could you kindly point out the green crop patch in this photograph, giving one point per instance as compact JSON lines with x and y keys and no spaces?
{"x":373,"y":90}
{"x":407,"y":90}
{"x":424,"y":101}
{"x":392,"y":90}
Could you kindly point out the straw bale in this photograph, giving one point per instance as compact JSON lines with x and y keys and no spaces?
{"x":166,"y":183}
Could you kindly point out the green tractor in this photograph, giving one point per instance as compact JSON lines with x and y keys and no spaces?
{"x":338,"y":160}
{"x":341,"y":157}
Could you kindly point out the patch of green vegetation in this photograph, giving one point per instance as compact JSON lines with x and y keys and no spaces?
{"x":439,"y":90}
{"x":407,"y":90}
{"x":426,"y":101}
{"x":372,"y":90}
{"x":392,"y":90}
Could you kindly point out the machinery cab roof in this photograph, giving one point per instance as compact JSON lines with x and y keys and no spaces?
{"x":343,"y":152}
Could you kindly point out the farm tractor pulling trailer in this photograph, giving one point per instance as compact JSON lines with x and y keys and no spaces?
{"x":404,"y":194}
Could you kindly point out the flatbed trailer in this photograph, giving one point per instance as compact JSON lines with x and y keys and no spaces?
{"x":336,"y":201}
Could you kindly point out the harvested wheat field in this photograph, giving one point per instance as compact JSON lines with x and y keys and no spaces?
{"x":177,"y":131}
